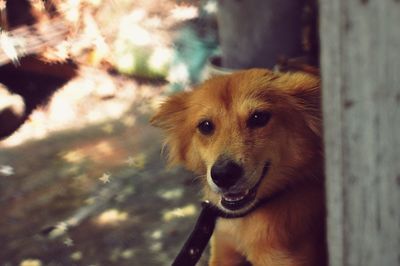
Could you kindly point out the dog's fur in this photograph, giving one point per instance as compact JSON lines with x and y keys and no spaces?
{"x":289,"y":227}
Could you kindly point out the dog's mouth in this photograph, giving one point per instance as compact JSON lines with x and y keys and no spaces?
{"x":240,"y":200}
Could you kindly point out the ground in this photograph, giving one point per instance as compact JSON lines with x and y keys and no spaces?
{"x":84,"y":182}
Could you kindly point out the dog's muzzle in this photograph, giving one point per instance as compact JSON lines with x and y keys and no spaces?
{"x":226,"y":174}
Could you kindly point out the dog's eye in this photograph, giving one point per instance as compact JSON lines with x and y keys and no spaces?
{"x":258,"y":119}
{"x":206,"y":127}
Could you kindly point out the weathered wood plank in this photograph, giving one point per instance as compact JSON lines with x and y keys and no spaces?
{"x":360,"y":59}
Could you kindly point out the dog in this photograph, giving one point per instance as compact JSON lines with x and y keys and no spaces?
{"x":254,"y":137}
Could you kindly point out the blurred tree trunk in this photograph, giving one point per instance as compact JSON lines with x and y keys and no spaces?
{"x":255,"y":33}
{"x":360,"y":62}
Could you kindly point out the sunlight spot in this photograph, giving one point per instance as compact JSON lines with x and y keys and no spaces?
{"x":73,"y":156}
{"x":81,"y":177}
{"x":31,"y":262}
{"x":160,"y":58}
{"x":68,"y":242}
{"x":130,"y":161}
{"x":211,"y":7}
{"x":76,"y":256}
{"x":140,"y":36}
{"x":12,"y":46}
{"x":126,"y":63}
{"x":73,"y":221}
{"x":6,"y":170}
{"x":60,"y":229}
{"x":108,"y":128}
{"x":105,"y":178}
{"x":156,"y":246}
{"x":138,"y":161}
{"x":106,"y":88}
{"x":138,"y":15}
{"x":37,"y":4}
{"x":171,"y":194}
{"x":90,"y":200}
{"x":105,"y":148}
{"x":128,"y":253}
{"x":115,"y":254}
{"x":111,"y":217}
{"x":184,"y":13}
{"x":73,"y":170}
{"x":71,"y":10}
{"x":95,"y":2}
{"x":125,"y":193}
{"x":157,"y":234}
{"x":188,"y":210}
{"x":36,"y":121}
{"x":154,"y":22}
{"x":129,"y":121}
{"x":2,"y":5}
{"x":179,"y":73}
{"x":61,"y":110}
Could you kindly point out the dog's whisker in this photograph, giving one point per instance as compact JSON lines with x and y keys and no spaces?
{"x":198,"y":177}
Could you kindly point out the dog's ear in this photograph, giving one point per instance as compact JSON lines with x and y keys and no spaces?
{"x":171,"y":112}
{"x":172,"y":117}
{"x":307,"y":94}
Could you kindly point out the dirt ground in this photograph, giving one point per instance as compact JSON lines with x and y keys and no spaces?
{"x":84,"y":182}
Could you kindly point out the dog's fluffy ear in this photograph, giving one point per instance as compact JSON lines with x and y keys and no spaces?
{"x":307,"y":94}
{"x":171,"y":112}
{"x":171,"y":117}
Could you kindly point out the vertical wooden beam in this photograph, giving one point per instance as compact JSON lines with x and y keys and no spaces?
{"x":256,"y":33}
{"x":360,"y":61}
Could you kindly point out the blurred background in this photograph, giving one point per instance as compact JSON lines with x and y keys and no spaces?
{"x":82,"y":177}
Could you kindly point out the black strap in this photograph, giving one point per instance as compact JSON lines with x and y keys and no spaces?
{"x":198,"y":239}
{"x":204,"y":228}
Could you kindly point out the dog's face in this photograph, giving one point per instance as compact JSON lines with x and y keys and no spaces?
{"x":250,"y":134}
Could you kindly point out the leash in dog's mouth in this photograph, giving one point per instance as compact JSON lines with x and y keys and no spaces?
{"x":204,"y":228}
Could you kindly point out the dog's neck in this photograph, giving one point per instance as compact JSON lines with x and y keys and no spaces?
{"x":204,"y":228}
{"x":201,"y":234}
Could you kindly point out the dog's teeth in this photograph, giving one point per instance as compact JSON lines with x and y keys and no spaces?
{"x":235,"y":198}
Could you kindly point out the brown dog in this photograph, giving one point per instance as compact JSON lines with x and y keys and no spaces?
{"x":255,"y":136}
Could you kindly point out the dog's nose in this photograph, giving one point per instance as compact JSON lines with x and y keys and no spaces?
{"x":225,"y":172}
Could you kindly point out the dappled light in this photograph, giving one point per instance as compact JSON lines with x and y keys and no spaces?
{"x":171,"y":194}
{"x":6,"y":170}
{"x":81,"y":103}
{"x":59,"y":230}
{"x":82,"y":178}
{"x":181,"y":212}
{"x":31,"y":262}
{"x":111,"y":217}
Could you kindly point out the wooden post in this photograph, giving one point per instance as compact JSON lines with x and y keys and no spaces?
{"x":360,"y":61}
{"x":256,"y":33}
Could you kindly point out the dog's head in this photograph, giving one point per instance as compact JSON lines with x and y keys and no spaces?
{"x":251,"y":134}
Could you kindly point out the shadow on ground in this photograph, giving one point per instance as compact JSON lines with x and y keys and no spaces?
{"x":94,"y":196}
